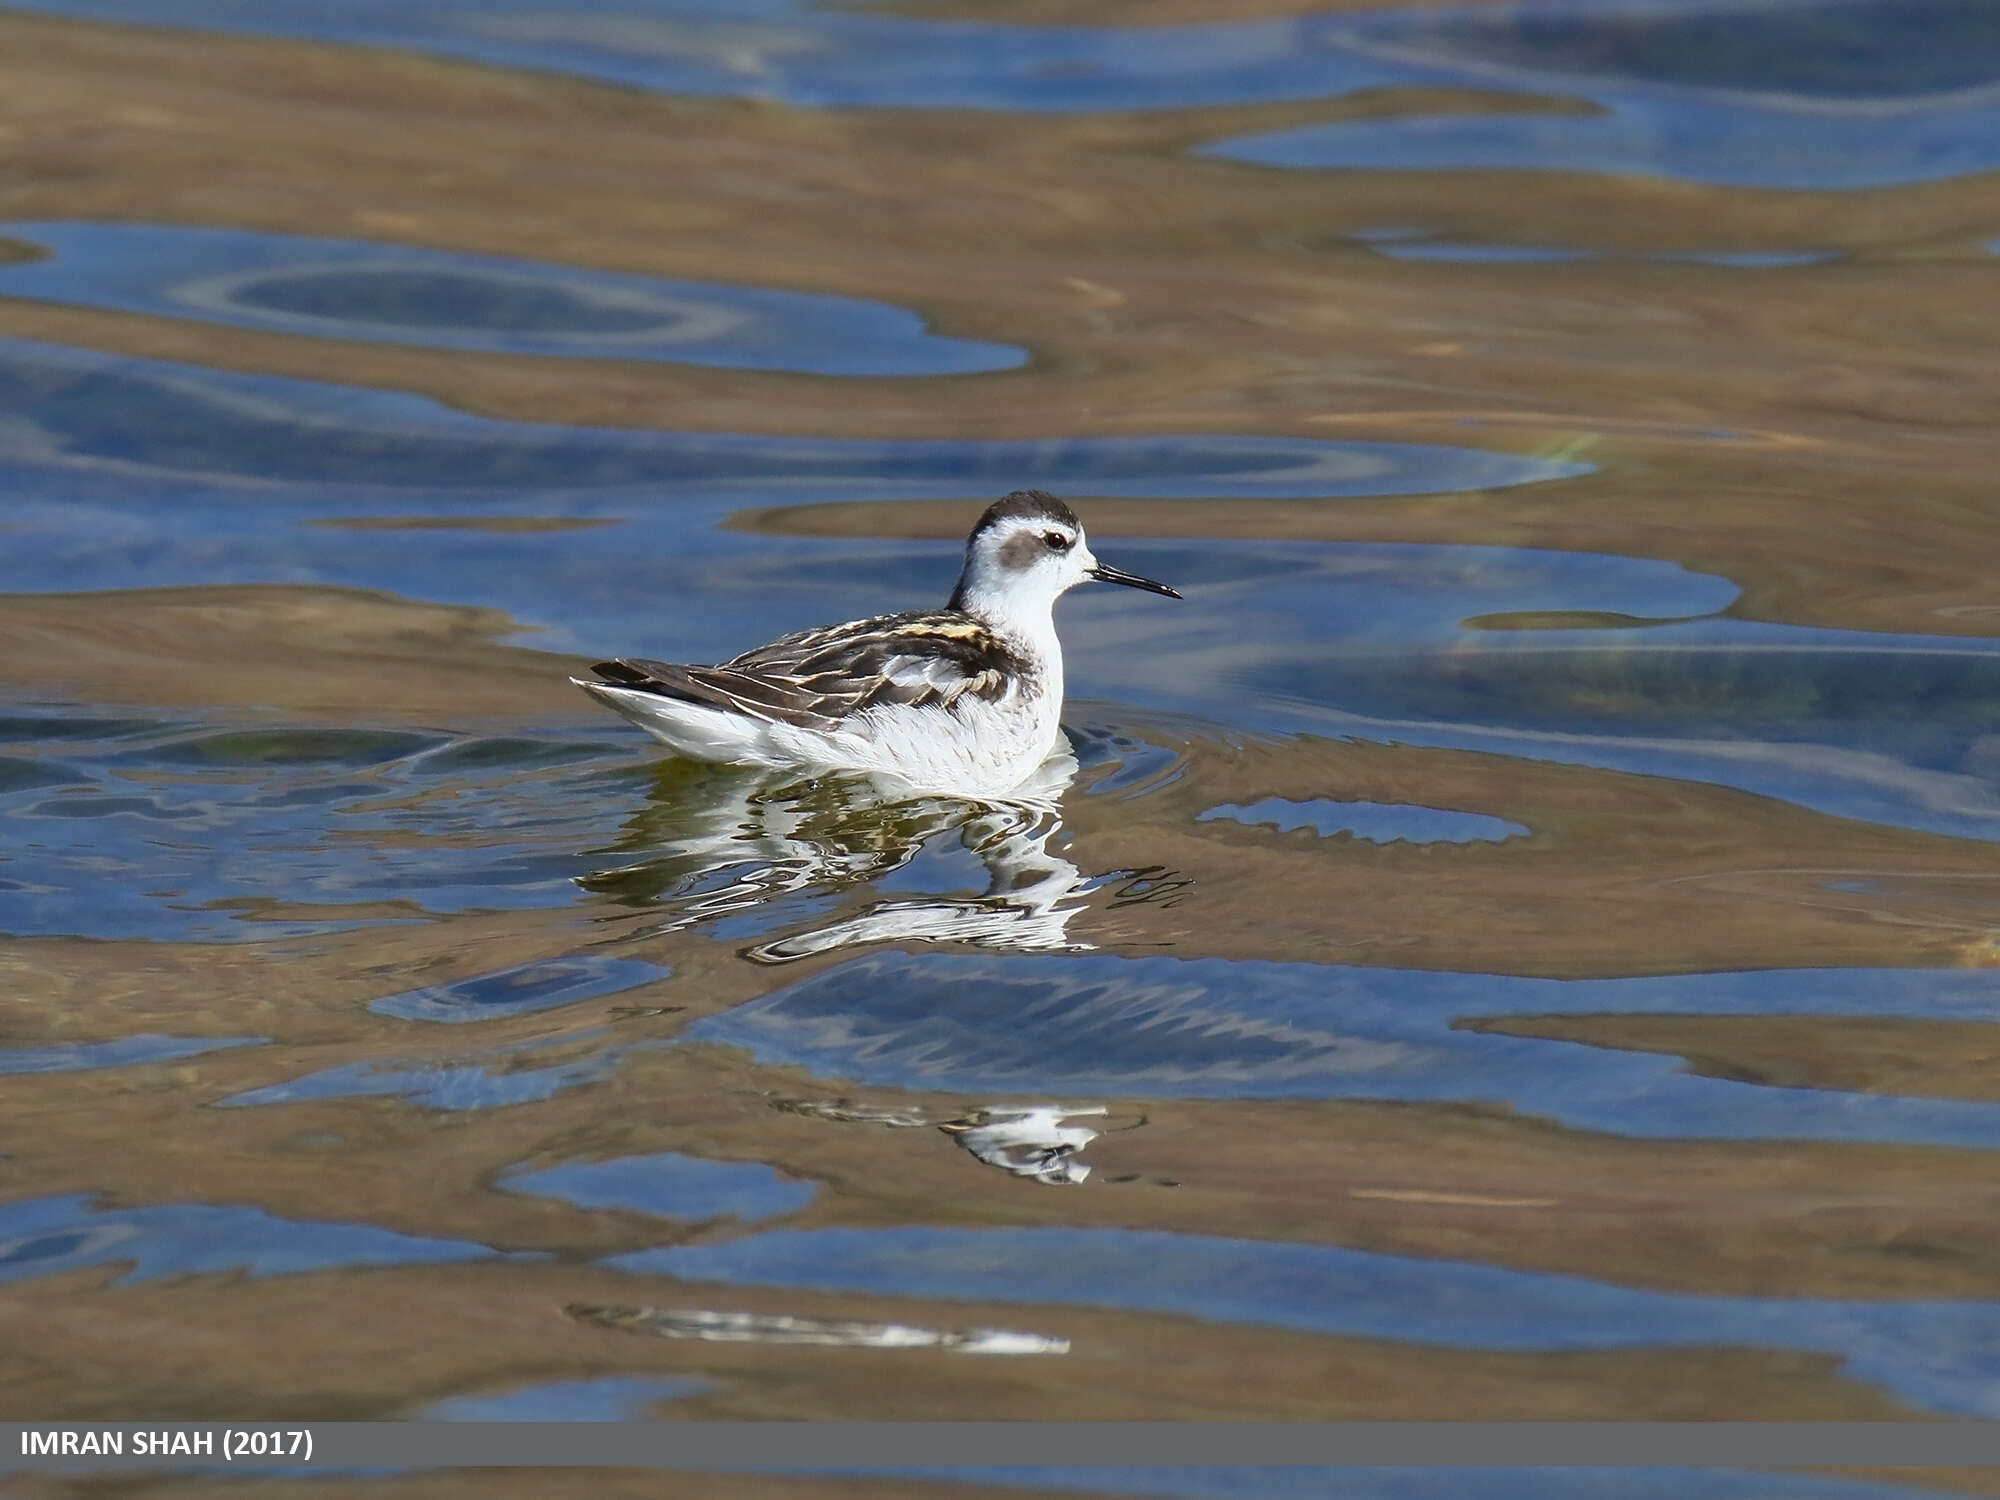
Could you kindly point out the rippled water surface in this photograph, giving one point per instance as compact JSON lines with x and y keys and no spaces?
{"x":481,"y":304}
{"x":1521,"y":939}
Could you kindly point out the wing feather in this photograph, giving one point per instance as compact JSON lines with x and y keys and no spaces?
{"x":816,"y":678}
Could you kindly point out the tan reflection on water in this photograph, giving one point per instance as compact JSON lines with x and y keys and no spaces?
{"x":1825,"y":438}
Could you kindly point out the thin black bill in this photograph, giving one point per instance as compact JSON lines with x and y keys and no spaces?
{"x":1118,"y":575}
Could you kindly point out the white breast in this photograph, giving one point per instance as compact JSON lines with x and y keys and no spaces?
{"x":975,"y":747}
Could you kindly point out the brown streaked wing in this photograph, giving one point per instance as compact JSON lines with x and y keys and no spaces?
{"x":692,"y":685}
{"x":815,"y":678}
{"x":908,"y":659}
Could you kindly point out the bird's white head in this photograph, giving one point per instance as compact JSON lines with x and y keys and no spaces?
{"x":1024,"y":554}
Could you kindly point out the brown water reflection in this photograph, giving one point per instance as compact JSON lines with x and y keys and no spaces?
{"x":1821,"y":436}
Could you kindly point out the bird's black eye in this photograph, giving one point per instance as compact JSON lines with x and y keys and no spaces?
{"x":1056,"y":541}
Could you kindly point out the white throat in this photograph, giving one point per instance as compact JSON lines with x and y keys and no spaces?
{"x":1019,"y":605}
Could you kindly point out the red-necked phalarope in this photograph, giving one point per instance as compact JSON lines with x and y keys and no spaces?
{"x":966,"y":698}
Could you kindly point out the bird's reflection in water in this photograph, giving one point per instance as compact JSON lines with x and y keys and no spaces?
{"x":1038,"y":1141}
{"x":714,"y":842}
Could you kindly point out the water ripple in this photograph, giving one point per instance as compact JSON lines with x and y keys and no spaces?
{"x":51,"y":1236}
{"x":239,"y":834}
{"x":1941,"y":1356}
{"x":1377,"y":822}
{"x":1746,"y":92}
{"x":152,"y":423}
{"x":397,"y":294}
{"x":1249,"y":1029}
{"x":541,"y":985}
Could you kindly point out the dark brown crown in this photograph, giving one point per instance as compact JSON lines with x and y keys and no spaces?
{"x":1036,"y":505}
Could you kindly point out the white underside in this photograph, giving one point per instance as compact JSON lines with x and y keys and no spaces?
{"x":975,"y":748}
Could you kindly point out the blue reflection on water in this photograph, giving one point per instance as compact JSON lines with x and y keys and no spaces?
{"x":450,"y":1085}
{"x":1753,"y":260}
{"x":1941,"y":1356}
{"x":608,"y":1398}
{"x":187,"y":433}
{"x":522,"y":990}
{"x":1099,"y":1026}
{"x":1377,"y":822}
{"x":1811,"y":94}
{"x":669,"y":1185}
{"x":822,"y":56}
{"x":1659,"y":132}
{"x":1874,"y":726}
{"x":1415,"y":247}
{"x":239,"y":834}
{"x":52,"y":1236}
{"x":1823,"y":94}
{"x":382,"y":293}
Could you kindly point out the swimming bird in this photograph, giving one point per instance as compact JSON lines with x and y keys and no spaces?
{"x":965,"y":699}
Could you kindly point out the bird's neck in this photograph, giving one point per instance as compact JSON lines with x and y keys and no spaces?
{"x":1027,"y":623}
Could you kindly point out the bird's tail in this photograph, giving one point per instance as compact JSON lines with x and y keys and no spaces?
{"x":691,"y":729}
